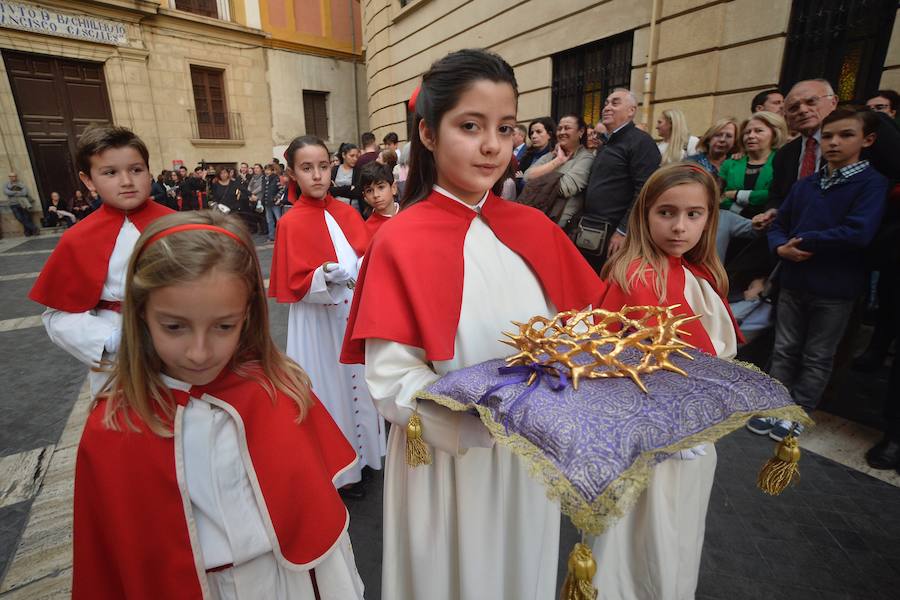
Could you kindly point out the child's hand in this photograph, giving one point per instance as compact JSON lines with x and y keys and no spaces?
{"x":764,"y":219}
{"x":791,"y":252}
{"x":335,"y":273}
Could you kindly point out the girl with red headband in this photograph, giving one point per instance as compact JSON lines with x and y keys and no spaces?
{"x":669,"y":258}
{"x":318,"y":246}
{"x":206,"y":466}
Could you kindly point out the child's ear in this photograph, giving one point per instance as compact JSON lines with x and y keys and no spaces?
{"x":394,"y":188}
{"x":869,"y":140}
{"x":86,"y":180}
{"x":426,"y":135}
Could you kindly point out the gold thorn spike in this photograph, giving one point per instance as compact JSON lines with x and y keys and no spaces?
{"x":590,"y":344}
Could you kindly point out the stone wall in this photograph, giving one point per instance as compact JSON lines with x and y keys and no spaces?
{"x":712,"y":56}
{"x":290,"y":73}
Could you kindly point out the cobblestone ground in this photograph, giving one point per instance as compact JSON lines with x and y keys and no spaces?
{"x":835,"y":535}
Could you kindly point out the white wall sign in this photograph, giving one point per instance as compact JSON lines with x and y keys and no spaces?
{"x":30,"y":17}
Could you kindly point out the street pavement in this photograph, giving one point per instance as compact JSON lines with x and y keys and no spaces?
{"x":835,"y":535}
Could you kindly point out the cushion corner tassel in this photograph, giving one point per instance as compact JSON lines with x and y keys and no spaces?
{"x":417,"y":452}
{"x":782,"y":469}
{"x":582,"y":567}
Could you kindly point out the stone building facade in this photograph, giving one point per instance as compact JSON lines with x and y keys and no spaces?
{"x":707,"y":57}
{"x":220,"y":81}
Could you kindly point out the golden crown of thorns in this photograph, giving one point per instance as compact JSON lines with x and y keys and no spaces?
{"x":589,"y":344}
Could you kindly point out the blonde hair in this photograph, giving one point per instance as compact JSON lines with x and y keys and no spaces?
{"x":776,"y":124}
{"x":703,"y":144}
{"x":135,"y":387}
{"x":639,"y":247}
{"x":678,"y":138}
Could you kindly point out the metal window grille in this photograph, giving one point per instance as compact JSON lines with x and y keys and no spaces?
{"x":584,"y":76}
{"x":843,"y":41}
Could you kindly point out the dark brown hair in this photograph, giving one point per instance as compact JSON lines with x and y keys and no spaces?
{"x":867,"y":118}
{"x":442,"y":86}
{"x":101,"y":138}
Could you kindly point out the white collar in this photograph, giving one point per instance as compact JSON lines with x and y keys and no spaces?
{"x":175,"y":384}
{"x":476,"y":208}
{"x":396,"y":210}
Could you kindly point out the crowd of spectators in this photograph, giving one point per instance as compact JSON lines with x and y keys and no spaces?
{"x":808,"y":238}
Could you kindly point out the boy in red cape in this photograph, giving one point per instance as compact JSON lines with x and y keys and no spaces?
{"x":379,"y":190}
{"x":82,"y":285}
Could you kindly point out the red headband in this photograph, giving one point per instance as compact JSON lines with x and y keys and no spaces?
{"x":194,"y":227}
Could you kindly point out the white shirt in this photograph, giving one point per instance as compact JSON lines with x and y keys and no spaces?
{"x":229,"y":523}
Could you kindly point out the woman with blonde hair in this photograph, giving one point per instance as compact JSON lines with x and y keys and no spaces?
{"x":747,"y":179}
{"x":188,"y":470}
{"x":677,"y":142}
{"x":716,"y":145}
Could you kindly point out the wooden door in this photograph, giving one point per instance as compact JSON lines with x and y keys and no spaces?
{"x":209,"y":101}
{"x":57,"y":99}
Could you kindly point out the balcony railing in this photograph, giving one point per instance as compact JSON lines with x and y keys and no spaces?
{"x":216,"y":126}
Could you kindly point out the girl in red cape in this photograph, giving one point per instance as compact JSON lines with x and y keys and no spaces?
{"x":669,"y":258}
{"x":206,"y":466}
{"x":439,"y":284}
{"x":318,"y":246}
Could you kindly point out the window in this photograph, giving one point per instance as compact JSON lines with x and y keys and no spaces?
{"x":583,"y":77}
{"x":205,"y":8}
{"x":315,"y":111}
{"x":843,"y":41}
{"x":209,"y":100}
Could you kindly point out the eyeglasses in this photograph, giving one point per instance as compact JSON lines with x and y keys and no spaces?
{"x":879,"y":106}
{"x":811,"y":102}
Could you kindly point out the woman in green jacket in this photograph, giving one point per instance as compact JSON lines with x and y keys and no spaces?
{"x":747,"y":179}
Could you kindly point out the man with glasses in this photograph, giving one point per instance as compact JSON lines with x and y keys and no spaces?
{"x":886,"y":101}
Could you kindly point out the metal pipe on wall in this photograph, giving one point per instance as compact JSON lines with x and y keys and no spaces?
{"x":649,"y":79}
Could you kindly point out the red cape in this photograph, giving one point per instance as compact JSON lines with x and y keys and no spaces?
{"x":73,"y":277}
{"x":374,"y":223}
{"x":410,"y":287}
{"x":131,"y":534}
{"x":302,"y":244}
{"x":644,"y":295}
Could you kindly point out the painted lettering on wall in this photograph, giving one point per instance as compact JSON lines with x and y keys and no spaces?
{"x":30,"y":17}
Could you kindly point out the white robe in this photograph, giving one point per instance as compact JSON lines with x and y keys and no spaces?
{"x":653,"y":552}
{"x":474,"y":524}
{"x":316,"y":328}
{"x":84,"y":335}
{"x":229,"y":524}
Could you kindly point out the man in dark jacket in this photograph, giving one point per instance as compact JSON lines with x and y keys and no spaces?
{"x":193,"y":190}
{"x":622,"y":166}
{"x":268,"y":193}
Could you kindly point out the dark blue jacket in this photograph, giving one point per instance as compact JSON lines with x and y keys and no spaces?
{"x":836,"y":225}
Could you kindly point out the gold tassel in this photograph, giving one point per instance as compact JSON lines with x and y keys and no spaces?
{"x":416,"y":451}
{"x":781,"y":470}
{"x":579,"y":579}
